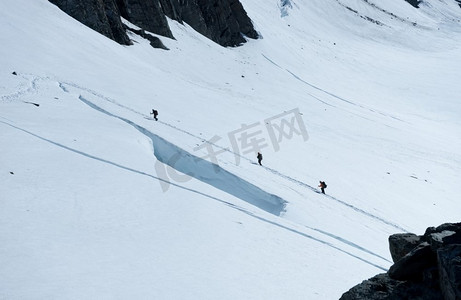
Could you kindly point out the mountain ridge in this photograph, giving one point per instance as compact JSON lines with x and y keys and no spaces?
{"x":224,"y":22}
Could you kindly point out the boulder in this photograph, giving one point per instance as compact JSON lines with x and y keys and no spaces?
{"x":402,"y":243}
{"x":412,"y":265}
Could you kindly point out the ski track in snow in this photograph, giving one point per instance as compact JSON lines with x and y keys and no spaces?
{"x":331,"y":94}
{"x":231,"y":205}
{"x":354,"y":245}
{"x":62,"y":84}
{"x":353,"y":242}
{"x":275,"y":205}
{"x":191,"y":165}
{"x":277,"y":173}
{"x":325,"y":242}
{"x":359,"y":210}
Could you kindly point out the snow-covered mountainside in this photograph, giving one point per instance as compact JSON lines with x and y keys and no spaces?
{"x":100,"y":201}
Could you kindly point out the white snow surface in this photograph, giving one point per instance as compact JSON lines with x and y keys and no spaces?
{"x":95,"y":200}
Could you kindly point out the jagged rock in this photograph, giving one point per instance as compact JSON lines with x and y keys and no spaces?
{"x":382,"y":287}
{"x":154,"y":41}
{"x":453,"y":227}
{"x":187,"y":11}
{"x":449,"y":260}
{"x":446,"y":237}
{"x":115,"y":23}
{"x":146,"y":14}
{"x":170,"y":9}
{"x":431,"y":270}
{"x":447,"y":226}
{"x":401,"y":244}
{"x":223,"y":21}
{"x":100,"y":15}
{"x":412,"y":265}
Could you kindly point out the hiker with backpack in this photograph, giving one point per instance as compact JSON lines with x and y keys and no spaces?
{"x":260,"y":158}
{"x":322,"y":186}
{"x":155,"y":113}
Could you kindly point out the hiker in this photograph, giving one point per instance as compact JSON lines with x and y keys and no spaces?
{"x":155,"y":113}
{"x":322,"y":186}
{"x":260,"y":158}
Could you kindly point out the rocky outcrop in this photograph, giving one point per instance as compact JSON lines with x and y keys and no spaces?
{"x":146,"y":14}
{"x":223,"y":21}
{"x":449,"y":265}
{"x":401,"y":244}
{"x":413,"y":265}
{"x":100,"y":15}
{"x":425,"y":267}
{"x":382,"y":287}
{"x":153,"y":40}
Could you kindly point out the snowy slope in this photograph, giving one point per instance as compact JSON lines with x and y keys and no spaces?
{"x":99,"y":201}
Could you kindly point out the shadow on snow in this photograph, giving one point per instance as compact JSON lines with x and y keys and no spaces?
{"x":203,"y":170}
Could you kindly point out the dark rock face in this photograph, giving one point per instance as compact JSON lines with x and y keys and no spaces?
{"x":426,"y":267}
{"x":100,"y":15}
{"x":154,"y":41}
{"x":115,"y":24}
{"x":244,"y":22}
{"x":146,"y":14}
{"x":223,"y":21}
{"x":449,"y":259}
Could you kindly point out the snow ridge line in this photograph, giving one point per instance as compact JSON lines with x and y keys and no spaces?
{"x":343,"y":99}
{"x":275,"y":172}
{"x":331,"y":94}
{"x":203,"y":170}
{"x":62,"y":86}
